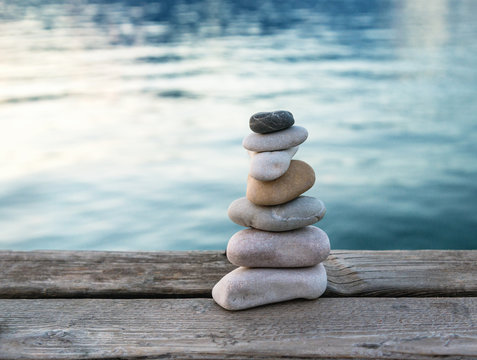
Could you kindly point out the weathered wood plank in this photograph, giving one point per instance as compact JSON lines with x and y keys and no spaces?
{"x":402,"y":273}
{"x":367,"y":328}
{"x":41,"y":274}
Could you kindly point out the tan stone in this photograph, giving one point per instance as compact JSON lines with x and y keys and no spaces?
{"x":299,"y":178}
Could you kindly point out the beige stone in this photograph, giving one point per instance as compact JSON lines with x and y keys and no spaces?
{"x":244,"y":288}
{"x":303,"y":247}
{"x":297,"y":179}
{"x":279,"y":140}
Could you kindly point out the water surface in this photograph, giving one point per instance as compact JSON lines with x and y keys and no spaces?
{"x":121,"y":121}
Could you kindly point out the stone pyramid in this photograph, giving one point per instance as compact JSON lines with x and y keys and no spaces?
{"x":280,"y":255}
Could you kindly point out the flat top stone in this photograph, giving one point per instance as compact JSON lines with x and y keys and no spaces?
{"x":278,"y":140}
{"x":267,"y":122}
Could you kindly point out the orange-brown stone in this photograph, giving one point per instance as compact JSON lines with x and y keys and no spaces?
{"x":299,"y":178}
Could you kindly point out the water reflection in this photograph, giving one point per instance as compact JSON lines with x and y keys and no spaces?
{"x":122,"y":120}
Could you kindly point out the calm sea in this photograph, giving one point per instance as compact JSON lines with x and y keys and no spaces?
{"x":121,"y":121}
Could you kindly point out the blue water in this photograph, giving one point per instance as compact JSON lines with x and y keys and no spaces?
{"x":121,"y":121}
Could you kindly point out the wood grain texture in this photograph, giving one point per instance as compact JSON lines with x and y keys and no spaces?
{"x":40,"y":274}
{"x":49,"y":274}
{"x":402,"y":273}
{"x":366,"y":328}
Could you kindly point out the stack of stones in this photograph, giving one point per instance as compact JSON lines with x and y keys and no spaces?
{"x":280,"y":255}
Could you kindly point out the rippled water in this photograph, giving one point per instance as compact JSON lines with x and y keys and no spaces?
{"x":121,"y":121}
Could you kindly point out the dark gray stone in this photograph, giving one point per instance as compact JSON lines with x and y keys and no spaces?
{"x":267,"y":122}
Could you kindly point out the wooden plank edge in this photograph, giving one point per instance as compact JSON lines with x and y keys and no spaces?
{"x":192,"y":274}
{"x":375,"y":328}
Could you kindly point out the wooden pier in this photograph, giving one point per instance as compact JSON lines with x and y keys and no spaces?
{"x":156,"y":305}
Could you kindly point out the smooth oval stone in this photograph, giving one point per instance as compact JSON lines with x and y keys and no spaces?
{"x":267,"y":122}
{"x":279,"y":140}
{"x":270,"y":165}
{"x":244,"y":288}
{"x":300,"y":212}
{"x":307,"y":246}
{"x":298,"y":178}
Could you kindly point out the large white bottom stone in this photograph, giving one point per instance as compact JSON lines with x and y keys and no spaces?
{"x":244,"y":288}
